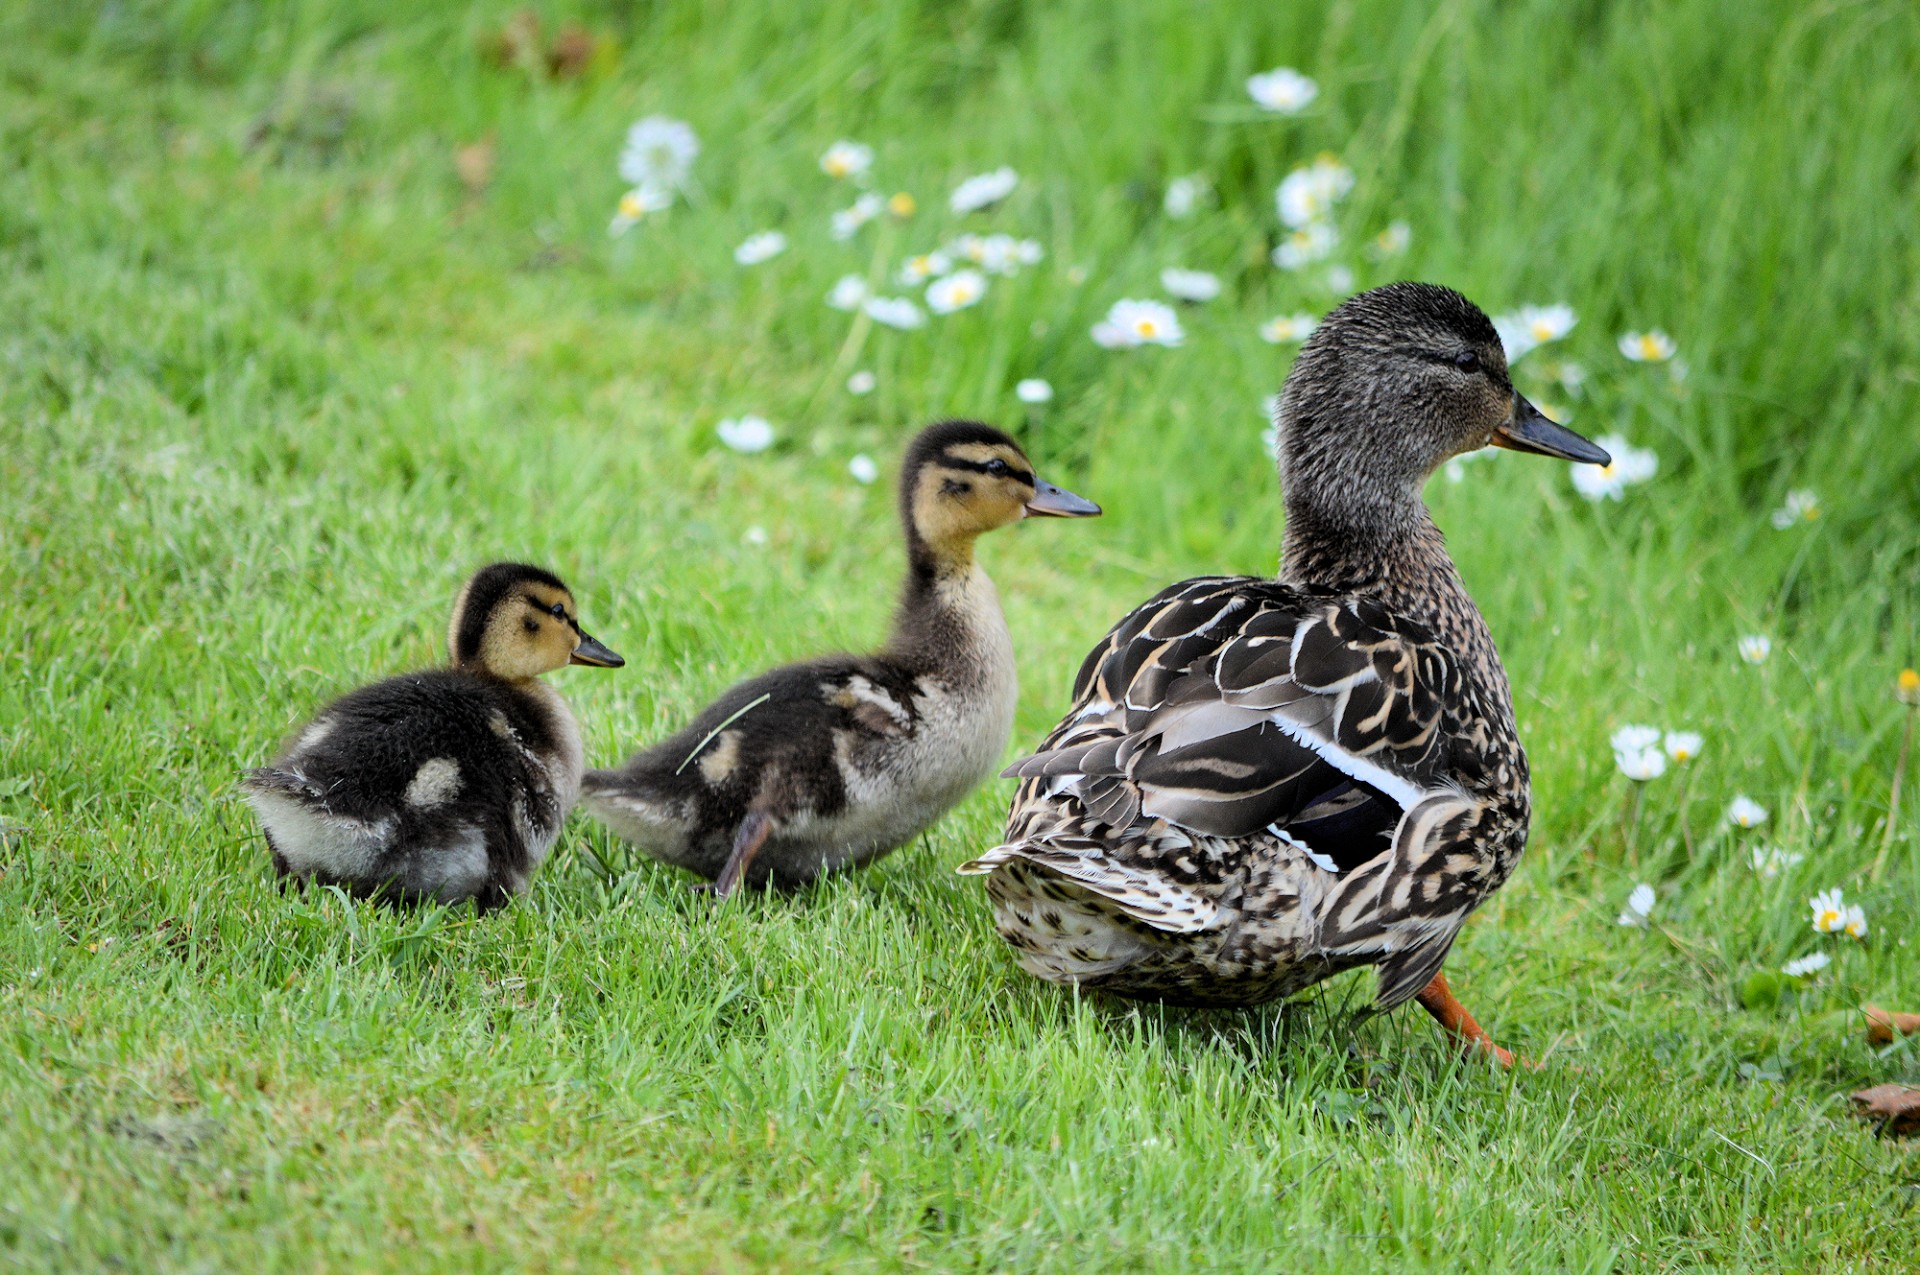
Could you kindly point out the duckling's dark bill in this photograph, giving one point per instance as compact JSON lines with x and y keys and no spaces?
{"x":1057,"y":502}
{"x":592,"y":653}
{"x":1530,"y":431}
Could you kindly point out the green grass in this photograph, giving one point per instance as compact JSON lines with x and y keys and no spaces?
{"x":272,"y":382}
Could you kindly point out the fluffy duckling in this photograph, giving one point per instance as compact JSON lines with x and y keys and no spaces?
{"x":834,"y":762}
{"x":447,"y":784}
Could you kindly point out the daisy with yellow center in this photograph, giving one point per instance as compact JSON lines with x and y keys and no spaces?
{"x":1832,"y":914}
{"x":1287,"y":328}
{"x":1652,"y":346}
{"x":1800,"y":506}
{"x":902,"y":204}
{"x":956,"y":292}
{"x":636,"y":204}
{"x":846,"y":159}
{"x":1134,"y":323}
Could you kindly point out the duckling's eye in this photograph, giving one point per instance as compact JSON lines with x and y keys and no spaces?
{"x":1468,"y":362}
{"x":998,"y":468}
{"x":557,"y":611}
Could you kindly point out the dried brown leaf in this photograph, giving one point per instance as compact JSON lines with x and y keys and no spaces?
{"x":1895,"y":1107}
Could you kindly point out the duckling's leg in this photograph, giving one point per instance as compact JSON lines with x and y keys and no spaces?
{"x":1438,"y":999}
{"x":747,"y":840}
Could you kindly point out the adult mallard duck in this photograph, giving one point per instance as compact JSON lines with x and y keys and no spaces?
{"x":1262,"y":783}
{"x":834,"y":762}
{"x":447,"y":784}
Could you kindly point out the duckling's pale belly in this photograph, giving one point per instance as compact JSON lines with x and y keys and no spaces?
{"x":897,"y":789}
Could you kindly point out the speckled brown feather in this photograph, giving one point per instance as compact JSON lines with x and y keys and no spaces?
{"x":1262,"y":783}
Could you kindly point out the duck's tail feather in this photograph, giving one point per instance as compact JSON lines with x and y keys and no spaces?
{"x":1148,"y":897}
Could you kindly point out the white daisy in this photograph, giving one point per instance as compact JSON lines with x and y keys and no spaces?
{"x":861,"y":383}
{"x":847,"y":222}
{"x":1630,"y":465}
{"x":636,"y":204}
{"x":1533,"y":325}
{"x":1634,"y":738}
{"x":1806,"y":966}
{"x":1755,"y":648}
{"x":863,"y":469}
{"x":755,"y":535}
{"x":957,"y":291}
{"x":997,"y":254}
{"x":1184,"y":195}
{"x":895,"y":312}
{"x":659,"y":153}
{"x":761,"y":247}
{"x":1647,"y":347}
{"x":1745,"y":812}
{"x":1288,"y":328}
{"x":746,"y":433}
{"x":1033,"y":390}
{"x":848,"y":292}
{"x":1683,"y":745}
{"x":1830,"y":911}
{"x":1771,"y":861}
{"x":1801,"y":506}
{"x":1639,"y":905}
{"x":1308,"y":194}
{"x":1339,"y":278}
{"x":1283,"y":90}
{"x":1391,"y":242}
{"x":1190,"y":285}
{"x":1641,"y":764}
{"x":1855,"y":922}
{"x":847,"y":159}
{"x":983,"y":191}
{"x":1303,"y":247}
{"x":1131,"y":323}
{"x":917,"y":270}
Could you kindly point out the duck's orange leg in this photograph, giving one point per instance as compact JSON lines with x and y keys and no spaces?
{"x":1438,"y":999}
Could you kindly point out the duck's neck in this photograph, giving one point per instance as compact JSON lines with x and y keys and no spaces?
{"x":949,"y":620}
{"x":1390,"y":550}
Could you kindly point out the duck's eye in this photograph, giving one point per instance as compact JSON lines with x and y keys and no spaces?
{"x":557,"y":611}
{"x":1468,"y":362}
{"x":998,"y":468}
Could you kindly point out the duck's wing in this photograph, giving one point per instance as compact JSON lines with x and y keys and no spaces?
{"x":1237,"y":710}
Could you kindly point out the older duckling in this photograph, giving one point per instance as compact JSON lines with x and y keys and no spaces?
{"x":836,"y":761}
{"x":448,"y":784}
{"x":1261,"y":783}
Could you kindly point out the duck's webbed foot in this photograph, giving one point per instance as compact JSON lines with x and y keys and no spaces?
{"x":1438,"y":999}
{"x":747,"y":840}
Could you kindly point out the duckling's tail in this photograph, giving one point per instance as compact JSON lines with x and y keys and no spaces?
{"x":266,"y":780}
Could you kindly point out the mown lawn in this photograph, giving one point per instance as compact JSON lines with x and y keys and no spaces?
{"x":274,"y":376}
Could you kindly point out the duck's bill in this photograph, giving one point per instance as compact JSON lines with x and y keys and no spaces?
{"x":1528,"y":430}
{"x":1057,"y":502}
{"x":592,"y":653}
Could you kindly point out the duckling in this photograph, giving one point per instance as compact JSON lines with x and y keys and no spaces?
{"x":1263,"y":782}
{"x":833,"y":762}
{"x":447,"y":784}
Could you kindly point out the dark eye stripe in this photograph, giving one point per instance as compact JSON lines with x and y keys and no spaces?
{"x":981,"y":467}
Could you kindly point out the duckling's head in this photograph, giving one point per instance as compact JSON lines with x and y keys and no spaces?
{"x":961,"y":479}
{"x":1393,"y":383}
{"x":515,"y":621}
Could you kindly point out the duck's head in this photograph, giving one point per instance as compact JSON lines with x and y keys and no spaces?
{"x":516,"y":621}
{"x":961,"y":479}
{"x":1394,"y":383}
